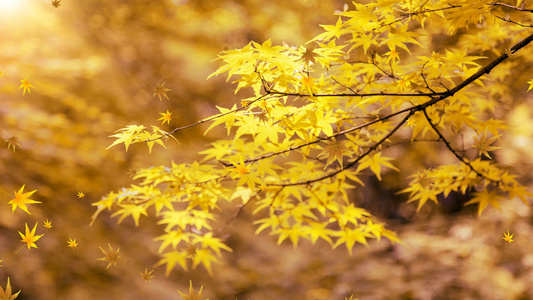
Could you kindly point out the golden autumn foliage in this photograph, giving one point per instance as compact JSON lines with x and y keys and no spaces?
{"x":424,"y":101}
{"x":358,"y":89}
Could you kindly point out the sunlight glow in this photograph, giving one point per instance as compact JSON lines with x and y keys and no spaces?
{"x":9,"y":5}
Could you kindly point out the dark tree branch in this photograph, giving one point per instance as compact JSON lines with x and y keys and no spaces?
{"x":485,"y":70}
{"x":448,"y":145}
{"x":412,"y":14}
{"x":274,"y":92}
{"x":354,"y":162}
{"x":512,"y":6}
{"x":321,"y":139}
{"x":513,"y":22}
{"x":436,"y":97}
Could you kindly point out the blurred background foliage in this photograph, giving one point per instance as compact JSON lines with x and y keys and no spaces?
{"x":94,"y":65}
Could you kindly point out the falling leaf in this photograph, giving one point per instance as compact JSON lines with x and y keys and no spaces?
{"x":81,"y":195}
{"x":30,"y":238}
{"x":12,"y":142}
{"x":160,"y":90}
{"x":56,"y":3}
{"x":166,"y":117}
{"x":192,"y":294}
{"x":26,"y":85}
{"x":508,"y":237}
{"x":72,"y":243}
{"x":147,"y":276}
{"x":111,"y":256}
{"x":47,"y":224}
{"x":21,"y":200}
{"x":6,"y":294}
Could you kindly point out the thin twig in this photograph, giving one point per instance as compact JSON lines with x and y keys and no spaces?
{"x":448,"y":145}
{"x":354,"y":162}
{"x":513,"y":22}
{"x":511,"y":6}
{"x":206,"y":120}
{"x":321,"y":139}
{"x":234,"y":216}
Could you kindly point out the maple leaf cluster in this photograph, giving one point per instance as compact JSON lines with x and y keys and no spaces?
{"x":320,"y":118}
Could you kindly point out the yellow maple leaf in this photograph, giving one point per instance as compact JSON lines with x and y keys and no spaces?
{"x":166,"y":117}
{"x":72,"y":243}
{"x":47,"y":224}
{"x":206,"y":258}
{"x":111,"y":256}
{"x":171,"y":259}
{"x":331,"y":31}
{"x":130,"y":209}
{"x":7,"y":293}
{"x":530,"y":85}
{"x":422,"y":195}
{"x":335,"y":151}
{"x":12,"y":142}
{"x":423,"y":180}
{"x":375,"y":162}
{"x":192,"y":294}
{"x":56,"y":3}
{"x":26,"y":85}
{"x":208,"y":241}
{"x":308,"y":84}
{"x":147,"y":276}
{"x":191,"y":250}
{"x":30,"y":238}
{"x":350,"y":237}
{"x":309,"y":55}
{"x":240,"y":169}
{"x":520,"y":192}
{"x":483,"y":144}
{"x":132,"y":172}
{"x":508,"y":237}
{"x":127,"y":135}
{"x":226,"y":116}
{"x":160,"y":90}
{"x":393,"y":54}
{"x":484,"y":198}
{"x":80,"y":195}
{"x":318,"y":230}
{"x":21,"y":200}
